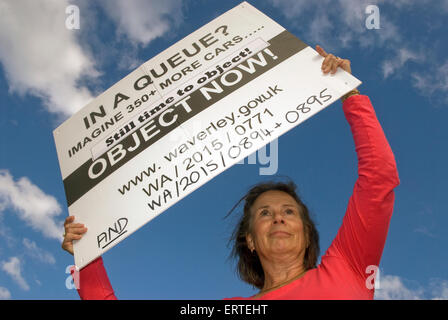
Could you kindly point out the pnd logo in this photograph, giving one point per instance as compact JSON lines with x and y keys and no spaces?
{"x":112,"y":233}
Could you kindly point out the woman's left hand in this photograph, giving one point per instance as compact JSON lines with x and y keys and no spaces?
{"x":331,"y":62}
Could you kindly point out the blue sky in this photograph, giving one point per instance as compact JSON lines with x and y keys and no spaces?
{"x":48,"y":72}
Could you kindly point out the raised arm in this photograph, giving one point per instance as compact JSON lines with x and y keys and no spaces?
{"x":361,"y":238}
{"x":92,"y":281}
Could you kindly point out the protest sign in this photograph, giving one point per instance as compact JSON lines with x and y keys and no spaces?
{"x":182,"y":118}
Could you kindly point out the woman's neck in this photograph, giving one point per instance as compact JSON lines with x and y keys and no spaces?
{"x":280,"y":274}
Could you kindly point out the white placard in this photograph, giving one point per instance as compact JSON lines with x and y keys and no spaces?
{"x":182,"y":118}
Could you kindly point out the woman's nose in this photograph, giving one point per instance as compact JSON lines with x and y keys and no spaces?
{"x":278,"y":218}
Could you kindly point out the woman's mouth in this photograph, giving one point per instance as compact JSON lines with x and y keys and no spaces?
{"x":280,"y":234}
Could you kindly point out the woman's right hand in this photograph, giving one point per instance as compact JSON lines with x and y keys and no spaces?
{"x":73,"y":231}
{"x":331,"y":62}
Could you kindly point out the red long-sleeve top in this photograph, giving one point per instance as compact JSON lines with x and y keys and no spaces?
{"x":348,"y":266}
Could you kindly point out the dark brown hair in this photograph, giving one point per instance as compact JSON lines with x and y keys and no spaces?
{"x":249,"y":267}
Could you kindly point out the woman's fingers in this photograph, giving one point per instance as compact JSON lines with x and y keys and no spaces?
{"x":345,"y":65}
{"x":74,"y":225}
{"x":67,"y":243}
{"x":69,"y":225}
{"x":331,"y":62}
{"x":69,"y":219}
{"x":76,"y":230}
{"x":321,"y":51}
{"x":334,"y":67}
{"x":69,"y":237}
{"x":72,"y":231}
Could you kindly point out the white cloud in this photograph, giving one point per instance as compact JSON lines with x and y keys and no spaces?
{"x":13,"y":269}
{"x":296,"y":7}
{"x":434,"y":79}
{"x":319,"y":28}
{"x":34,"y":251}
{"x":143,"y":20}
{"x":402,"y":56}
{"x":4,"y":294}
{"x":336,"y":24}
{"x":425,"y":230}
{"x":31,"y":204}
{"x":342,"y":23}
{"x":41,"y":56}
{"x":395,"y":288}
{"x":5,"y":231}
{"x":440,"y":290}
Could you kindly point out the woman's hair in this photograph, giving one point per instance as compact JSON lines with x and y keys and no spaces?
{"x":249,"y":267}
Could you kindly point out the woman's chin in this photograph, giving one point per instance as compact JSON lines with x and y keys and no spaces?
{"x":282,"y":247}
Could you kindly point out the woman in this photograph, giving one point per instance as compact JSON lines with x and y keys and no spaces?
{"x":277,"y":243}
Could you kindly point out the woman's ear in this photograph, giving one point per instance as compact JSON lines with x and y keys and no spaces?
{"x":250,"y":242}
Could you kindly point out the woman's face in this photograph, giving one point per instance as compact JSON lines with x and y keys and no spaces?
{"x":277,"y":227}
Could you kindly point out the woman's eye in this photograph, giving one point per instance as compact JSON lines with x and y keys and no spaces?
{"x":264,"y":212}
{"x":289,"y":211}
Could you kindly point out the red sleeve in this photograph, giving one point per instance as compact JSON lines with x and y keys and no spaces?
{"x":93,"y":283}
{"x":362,"y":235}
